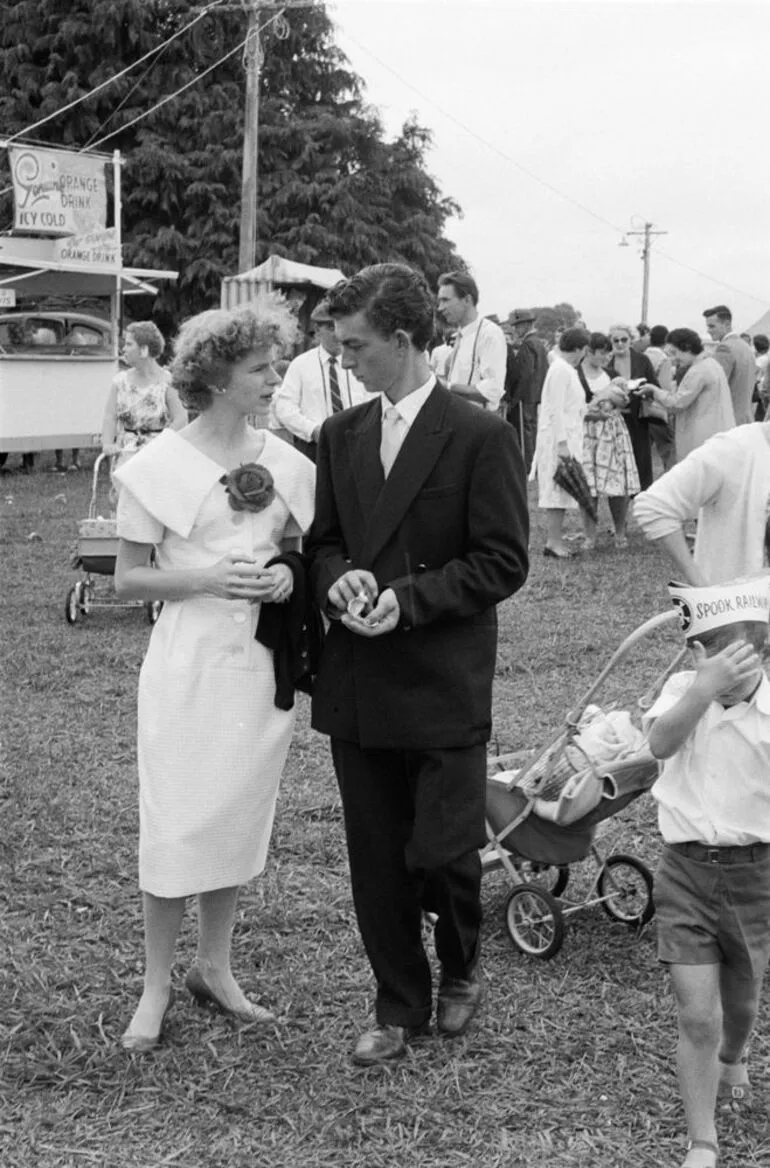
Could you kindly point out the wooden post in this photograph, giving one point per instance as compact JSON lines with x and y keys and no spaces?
{"x":247,"y":252}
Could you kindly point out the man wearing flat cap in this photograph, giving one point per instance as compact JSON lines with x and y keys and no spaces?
{"x":525,"y":374}
{"x":315,"y":386}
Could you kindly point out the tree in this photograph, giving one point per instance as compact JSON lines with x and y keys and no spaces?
{"x":332,"y":190}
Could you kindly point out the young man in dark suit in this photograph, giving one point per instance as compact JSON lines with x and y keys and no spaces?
{"x":421,"y":528}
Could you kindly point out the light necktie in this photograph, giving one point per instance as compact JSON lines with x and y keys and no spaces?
{"x":334,"y":387}
{"x":393,"y":433}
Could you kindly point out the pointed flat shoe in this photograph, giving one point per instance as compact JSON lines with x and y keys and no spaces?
{"x":205,"y":996}
{"x":568,"y":555}
{"x":141,"y":1043}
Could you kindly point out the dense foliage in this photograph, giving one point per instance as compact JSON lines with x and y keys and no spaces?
{"x":332,"y":190}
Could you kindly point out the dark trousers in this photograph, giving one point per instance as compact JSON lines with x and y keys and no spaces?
{"x":414,"y":822}
{"x":523,"y":418}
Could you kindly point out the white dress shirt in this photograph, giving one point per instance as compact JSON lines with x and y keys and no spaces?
{"x":479,"y":358}
{"x":408,"y":409}
{"x":714,"y":788}
{"x":304,"y":399}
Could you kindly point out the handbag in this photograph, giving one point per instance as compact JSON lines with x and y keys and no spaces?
{"x":652,"y":411}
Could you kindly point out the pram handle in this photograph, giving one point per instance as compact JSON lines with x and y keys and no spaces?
{"x":649,"y":626}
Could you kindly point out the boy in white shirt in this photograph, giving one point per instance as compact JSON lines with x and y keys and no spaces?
{"x":711,"y":728}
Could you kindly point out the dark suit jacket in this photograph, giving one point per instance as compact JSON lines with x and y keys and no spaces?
{"x":448,"y":533}
{"x":526,"y":371}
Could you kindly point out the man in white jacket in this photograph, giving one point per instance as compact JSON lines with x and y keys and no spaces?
{"x":315,"y":386}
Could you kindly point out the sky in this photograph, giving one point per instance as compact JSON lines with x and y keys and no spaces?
{"x":559,"y":126}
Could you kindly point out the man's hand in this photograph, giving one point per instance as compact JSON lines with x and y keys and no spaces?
{"x":725,"y":671}
{"x":383,"y":618}
{"x":351,"y":585}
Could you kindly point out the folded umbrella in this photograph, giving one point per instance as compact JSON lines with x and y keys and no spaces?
{"x":570,"y":476}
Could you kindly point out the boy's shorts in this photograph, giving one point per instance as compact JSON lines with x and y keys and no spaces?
{"x":714,"y":913}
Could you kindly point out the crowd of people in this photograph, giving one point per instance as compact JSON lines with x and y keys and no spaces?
{"x":348,"y":527}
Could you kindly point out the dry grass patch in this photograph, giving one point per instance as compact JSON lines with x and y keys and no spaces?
{"x":571,"y":1061}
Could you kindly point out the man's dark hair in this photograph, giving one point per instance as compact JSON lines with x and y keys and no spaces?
{"x":721,"y":312}
{"x":391,"y":297}
{"x":573,"y":339}
{"x":761,"y":343}
{"x":642,"y":330}
{"x":463,"y":284}
{"x":658,"y":335}
{"x":686,"y":339}
{"x":599,"y":343}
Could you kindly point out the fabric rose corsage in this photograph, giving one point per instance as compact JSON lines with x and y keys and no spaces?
{"x":249,"y":487}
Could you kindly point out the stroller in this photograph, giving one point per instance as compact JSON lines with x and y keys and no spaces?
{"x":535,"y":842}
{"x":96,"y":553}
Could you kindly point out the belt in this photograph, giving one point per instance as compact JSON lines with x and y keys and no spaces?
{"x":142,"y":431}
{"x":736,"y":854}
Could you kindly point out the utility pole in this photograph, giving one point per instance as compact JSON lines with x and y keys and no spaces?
{"x":247,"y":251}
{"x":649,"y":234}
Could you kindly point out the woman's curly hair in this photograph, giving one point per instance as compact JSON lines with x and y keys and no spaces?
{"x":208,"y":345}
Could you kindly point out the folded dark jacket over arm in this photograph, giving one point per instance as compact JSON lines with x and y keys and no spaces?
{"x":294,"y":633}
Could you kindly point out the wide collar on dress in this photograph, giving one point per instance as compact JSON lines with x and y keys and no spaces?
{"x":171,"y":479}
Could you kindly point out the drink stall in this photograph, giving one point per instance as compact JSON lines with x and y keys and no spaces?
{"x":62,"y":285}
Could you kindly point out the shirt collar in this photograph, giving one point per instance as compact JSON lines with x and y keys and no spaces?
{"x":326,"y":356}
{"x":468,"y":329}
{"x":762,"y":696}
{"x":410,"y":406}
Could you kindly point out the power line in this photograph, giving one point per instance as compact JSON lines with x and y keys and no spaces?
{"x":198,"y":77}
{"x":115,"y":77}
{"x":537,"y":178}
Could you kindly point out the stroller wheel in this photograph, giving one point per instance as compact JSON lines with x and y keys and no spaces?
{"x":535,"y":921}
{"x":550,"y":877}
{"x":72,"y":605}
{"x":626,"y":886}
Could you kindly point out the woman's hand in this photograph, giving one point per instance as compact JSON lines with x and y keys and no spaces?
{"x":620,"y":382}
{"x":283,"y":583}
{"x":562,"y":450}
{"x":238,"y":577}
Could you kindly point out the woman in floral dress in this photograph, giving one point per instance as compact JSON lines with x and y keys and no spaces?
{"x":141,"y":402}
{"x":608,"y":456}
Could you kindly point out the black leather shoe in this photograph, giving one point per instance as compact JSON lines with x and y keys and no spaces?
{"x":382,"y":1044}
{"x":458,"y":1001}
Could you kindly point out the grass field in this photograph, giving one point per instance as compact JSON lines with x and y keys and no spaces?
{"x":570,"y":1063}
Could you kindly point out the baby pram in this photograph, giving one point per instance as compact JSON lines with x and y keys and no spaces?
{"x":535,"y":851}
{"x":95,"y":555}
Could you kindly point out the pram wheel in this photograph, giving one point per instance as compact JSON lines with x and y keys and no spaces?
{"x":72,"y":605}
{"x":153,"y":609}
{"x":535,"y":921}
{"x":626,"y":885}
{"x":549,"y":877}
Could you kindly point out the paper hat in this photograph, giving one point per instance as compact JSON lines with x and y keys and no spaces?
{"x":712,"y":607}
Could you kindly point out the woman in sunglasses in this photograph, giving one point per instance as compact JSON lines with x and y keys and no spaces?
{"x":629,"y":365}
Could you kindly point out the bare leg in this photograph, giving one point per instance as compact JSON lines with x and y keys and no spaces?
{"x":162,"y":921}
{"x":740,"y":1004}
{"x":619,"y":512}
{"x":554,"y":520}
{"x":696,"y":988}
{"x":216,"y":918}
{"x":589,"y":527}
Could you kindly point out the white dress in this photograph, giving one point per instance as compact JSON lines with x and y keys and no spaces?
{"x":560,"y":419}
{"x":211,"y":742}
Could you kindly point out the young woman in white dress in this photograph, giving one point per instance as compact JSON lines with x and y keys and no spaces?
{"x":559,"y":435}
{"x":211,"y":742}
